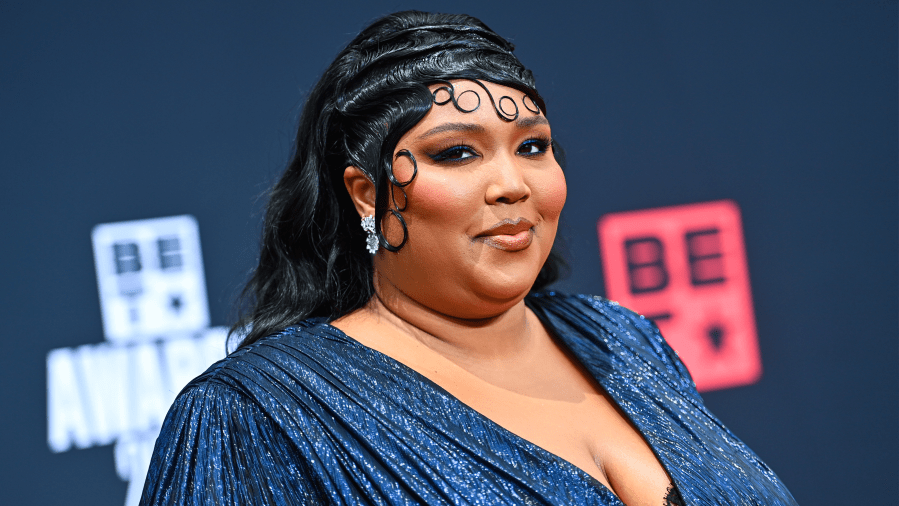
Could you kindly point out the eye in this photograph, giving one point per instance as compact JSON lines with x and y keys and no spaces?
{"x":454,"y":154}
{"x":533,"y":147}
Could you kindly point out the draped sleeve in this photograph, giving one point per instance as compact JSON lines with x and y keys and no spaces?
{"x":218,"y":447}
{"x":644,"y":336}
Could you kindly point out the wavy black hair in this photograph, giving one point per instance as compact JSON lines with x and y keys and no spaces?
{"x":313,"y":260}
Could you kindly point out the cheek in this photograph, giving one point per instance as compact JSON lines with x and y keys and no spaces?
{"x":551,"y":192}
{"x":439,"y":200}
{"x":430,"y":196}
{"x":433,"y":203}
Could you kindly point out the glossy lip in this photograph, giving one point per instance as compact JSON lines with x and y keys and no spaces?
{"x":509,"y":235}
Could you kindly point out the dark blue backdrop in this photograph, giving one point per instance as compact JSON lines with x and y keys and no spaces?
{"x":129,"y":111}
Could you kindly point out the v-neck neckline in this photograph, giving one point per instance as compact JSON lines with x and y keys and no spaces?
{"x":523,"y":443}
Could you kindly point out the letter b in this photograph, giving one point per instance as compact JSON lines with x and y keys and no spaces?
{"x":646,"y":264}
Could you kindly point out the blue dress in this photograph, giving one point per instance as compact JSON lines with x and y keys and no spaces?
{"x":311,"y":416}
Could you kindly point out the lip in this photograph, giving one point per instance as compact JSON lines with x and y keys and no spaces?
{"x":509,"y":235}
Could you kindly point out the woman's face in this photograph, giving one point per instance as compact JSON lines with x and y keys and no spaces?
{"x":482,"y":211}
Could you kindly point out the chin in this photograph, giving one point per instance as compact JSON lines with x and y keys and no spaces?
{"x":480,"y":298}
{"x":497,"y":296}
{"x":512,"y":278}
{"x":479,"y":309}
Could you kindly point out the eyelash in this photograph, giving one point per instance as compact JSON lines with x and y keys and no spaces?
{"x":542,"y":143}
{"x":445,"y":155}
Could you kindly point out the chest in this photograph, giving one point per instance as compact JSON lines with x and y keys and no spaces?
{"x":547,"y":399}
{"x":580,"y":425}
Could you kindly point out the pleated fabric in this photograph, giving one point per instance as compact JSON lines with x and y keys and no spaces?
{"x":311,"y":416}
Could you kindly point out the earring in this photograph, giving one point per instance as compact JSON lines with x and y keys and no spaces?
{"x":371,"y":242}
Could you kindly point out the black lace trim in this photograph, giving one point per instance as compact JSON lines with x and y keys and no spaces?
{"x":673,"y":498}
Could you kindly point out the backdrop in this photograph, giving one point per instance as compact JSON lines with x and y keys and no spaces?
{"x":128,"y":111}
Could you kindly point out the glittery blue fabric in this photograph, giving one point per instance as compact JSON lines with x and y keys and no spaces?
{"x":310,"y":416}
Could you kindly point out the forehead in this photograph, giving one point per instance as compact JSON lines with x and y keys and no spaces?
{"x":482,"y":102}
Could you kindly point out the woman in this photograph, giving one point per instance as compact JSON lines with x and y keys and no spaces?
{"x":395,"y":355}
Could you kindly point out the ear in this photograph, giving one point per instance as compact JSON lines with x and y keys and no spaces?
{"x":361,"y":190}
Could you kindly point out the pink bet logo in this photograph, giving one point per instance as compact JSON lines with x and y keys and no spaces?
{"x":684,"y":267}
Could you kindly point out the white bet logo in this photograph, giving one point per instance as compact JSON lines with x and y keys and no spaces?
{"x":150,"y":276}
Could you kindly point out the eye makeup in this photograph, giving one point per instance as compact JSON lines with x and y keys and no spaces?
{"x":453,"y":154}
{"x":540,"y":144}
{"x":458,"y":153}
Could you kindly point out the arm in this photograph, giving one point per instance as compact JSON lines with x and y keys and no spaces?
{"x":218,"y":447}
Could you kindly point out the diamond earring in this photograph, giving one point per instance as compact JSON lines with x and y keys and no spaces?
{"x":371,"y":242}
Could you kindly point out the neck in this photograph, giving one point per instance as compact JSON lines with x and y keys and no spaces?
{"x":497,"y":338}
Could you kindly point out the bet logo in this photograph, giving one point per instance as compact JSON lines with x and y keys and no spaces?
{"x":684,"y":267}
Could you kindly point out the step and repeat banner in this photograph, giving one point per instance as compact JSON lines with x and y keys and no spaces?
{"x":732,"y":174}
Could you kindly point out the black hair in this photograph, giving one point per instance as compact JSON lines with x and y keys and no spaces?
{"x":313,"y":260}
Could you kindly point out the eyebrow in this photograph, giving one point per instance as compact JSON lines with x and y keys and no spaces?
{"x":474,"y":127}
{"x":452,"y":127}
{"x":531,"y":121}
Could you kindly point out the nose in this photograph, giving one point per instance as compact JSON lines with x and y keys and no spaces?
{"x":507,"y":183}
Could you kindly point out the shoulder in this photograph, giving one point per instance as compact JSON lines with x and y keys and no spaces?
{"x":246,"y":424}
{"x":293,"y":345}
{"x":601,"y":313}
{"x":619,"y":330}
{"x":291,"y":364}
